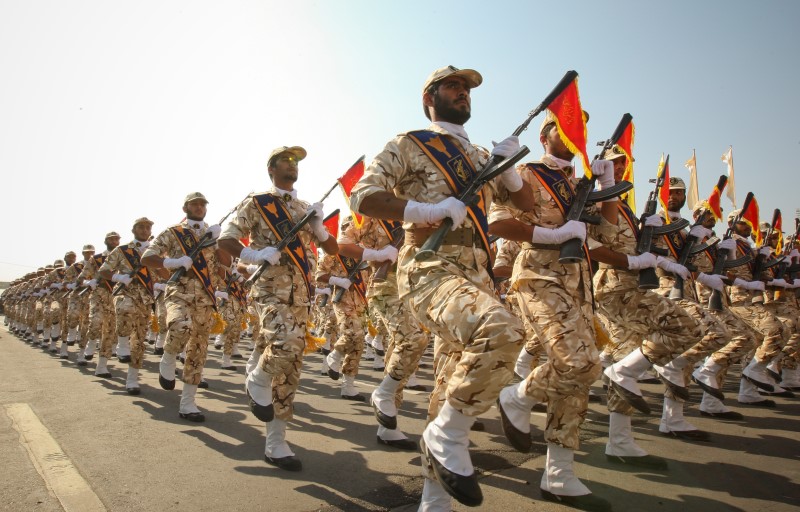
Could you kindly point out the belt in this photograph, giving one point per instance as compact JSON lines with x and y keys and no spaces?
{"x":465,"y":237}
{"x":543,"y":247}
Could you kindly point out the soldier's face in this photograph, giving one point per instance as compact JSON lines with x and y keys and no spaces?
{"x":743,"y":229}
{"x":69,"y":260}
{"x":553,"y":145}
{"x":451,"y":101}
{"x":142,"y":232}
{"x":284,"y":169}
{"x":195,"y":210}
{"x":87,"y":255}
{"x":677,"y":198}
{"x":112,"y":243}
{"x":619,"y":168}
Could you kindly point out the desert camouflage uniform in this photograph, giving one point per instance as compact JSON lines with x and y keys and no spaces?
{"x":451,"y":295}
{"x":190,"y":309}
{"x":58,"y":304}
{"x":281,"y":300}
{"x":102,"y":317}
{"x":132,"y":306}
{"x":784,"y":306}
{"x":233,"y":312}
{"x":77,"y":307}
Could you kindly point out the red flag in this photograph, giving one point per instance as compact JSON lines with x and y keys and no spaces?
{"x":777,"y":228}
{"x":625,"y":143}
{"x":713,"y":202}
{"x":245,"y":241}
{"x":331,"y":223}
{"x":568,"y":115}
{"x":348,"y":181}
{"x":750,"y":217}
{"x":663,"y":194}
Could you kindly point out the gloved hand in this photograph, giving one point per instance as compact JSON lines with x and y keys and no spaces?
{"x":653,"y":221}
{"x":430,"y":213}
{"x":642,"y":261}
{"x":504,"y":149}
{"x":554,"y":236}
{"x":757,"y":286}
{"x":780,"y":283}
{"x":251,"y":269}
{"x":215,"y":231}
{"x":603,"y":170}
{"x":56,"y":286}
{"x":322,"y":291}
{"x":236,"y":276}
{"x":70,"y":286}
{"x":122,"y":278}
{"x":765,"y":251}
{"x":672,"y":267}
{"x":316,"y":224}
{"x":712,"y":281}
{"x":174,"y":263}
{"x":268,"y":254}
{"x":91,"y":283}
{"x":221,"y":295}
{"x":387,"y":253}
{"x":341,"y":282}
{"x":700,"y":232}
{"x":794,"y":255}
{"x":729,"y":244}
{"x":159,"y":287}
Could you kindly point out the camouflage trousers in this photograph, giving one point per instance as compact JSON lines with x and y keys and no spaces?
{"x":406,"y":341}
{"x":161,"y":313}
{"x":102,"y":320}
{"x":132,"y":318}
{"x":330,"y":329}
{"x":480,"y":337}
{"x":233,"y":314}
{"x":788,"y":316}
{"x":188,"y":325}
{"x":283,"y":327}
{"x":759,"y":317}
{"x":533,"y":344}
{"x":645,"y":319}
{"x":743,"y":339}
{"x":58,"y":318}
{"x":350,"y":320}
{"x":562,"y":320}
{"x":255,"y":325}
{"x":78,"y":316}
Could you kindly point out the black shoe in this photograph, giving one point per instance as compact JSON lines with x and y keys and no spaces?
{"x":81,"y":363}
{"x":89,"y":357}
{"x":518,"y":439}
{"x":400,"y":444}
{"x":716,"y":393}
{"x":689,"y":435}
{"x":124,"y":359}
{"x":229,"y":368}
{"x":182,"y":359}
{"x":358,"y":397}
{"x":681,"y":392}
{"x":760,"y":403}
{"x":649,"y":380}
{"x":760,"y":385}
{"x":380,"y":370}
{"x":290,"y":463}
{"x":634,"y":400}
{"x":324,"y":351}
{"x":597,"y":399}
{"x":464,"y":489}
{"x":540,"y":407}
{"x":729,"y":415}
{"x":334,"y":375}
{"x":775,"y":376}
{"x":196,"y":417}
{"x":70,"y":343}
{"x":418,"y":387}
{"x":265,"y":413}
{"x":367,"y":358}
{"x":385,"y":420}
{"x":67,"y":357}
{"x":237,"y":356}
{"x":383,"y":353}
{"x":783,"y":394}
{"x":106,"y":375}
{"x":159,"y":351}
{"x":585,"y":502}
{"x":169,"y":385}
{"x":134,"y":391}
{"x":203,"y":385}
{"x":478,"y":426}
{"x":642,"y":461}
{"x":151,"y":342}
{"x":53,"y":350}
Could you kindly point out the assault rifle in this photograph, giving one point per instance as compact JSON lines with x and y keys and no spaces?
{"x":350,"y":275}
{"x":648,"y":280}
{"x":683,"y":259}
{"x":721,"y":263}
{"x":398,"y":238}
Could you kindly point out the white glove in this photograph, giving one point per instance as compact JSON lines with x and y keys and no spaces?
{"x":341,"y":282}
{"x":654,"y":221}
{"x":429,"y":213}
{"x":322,"y":291}
{"x":504,"y":149}
{"x":780,"y":283}
{"x":712,"y":281}
{"x":729,"y":244}
{"x":122,"y":278}
{"x":673,"y":267}
{"x":236,"y":276}
{"x":387,"y":253}
{"x":71,"y":286}
{"x":215,"y":231}
{"x":794,"y":255}
{"x":159,"y":287}
{"x":174,"y":263}
{"x":765,"y":251}
{"x":91,"y":283}
{"x":56,"y":286}
{"x":316,"y":222}
{"x":554,"y":236}
{"x":221,"y":295}
{"x":603,"y":170}
{"x":642,"y":261}
{"x":700,"y":232}
{"x":268,"y":254}
{"x":749,"y":285}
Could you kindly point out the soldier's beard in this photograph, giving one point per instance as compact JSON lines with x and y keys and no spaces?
{"x":446,"y":112}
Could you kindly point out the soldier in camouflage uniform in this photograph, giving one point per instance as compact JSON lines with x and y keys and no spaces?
{"x":452,"y":294}
{"x":78,"y":305}
{"x":191,"y":300}
{"x":133,"y":299}
{"x":57,"y":303}
{"x":282,"y":295}
{"x":233,"y":311}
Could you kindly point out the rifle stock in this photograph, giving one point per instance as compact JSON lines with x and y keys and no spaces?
{"x":398,"y":238}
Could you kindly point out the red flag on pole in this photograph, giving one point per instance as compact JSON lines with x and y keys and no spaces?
{"x":663,"y":193}
{"x":348,"y":181}
{"x":625,"y":143}
{"x":778,"y":229}
{"x":750,"y":217}
{"x":567,"y":113}
{"x":713,"y":202}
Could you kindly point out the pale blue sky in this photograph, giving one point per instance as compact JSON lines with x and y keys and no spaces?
{"x":114,"y":110}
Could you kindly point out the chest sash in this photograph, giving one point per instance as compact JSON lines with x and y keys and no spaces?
{"x":188,"y":242}
{"x":142,"y":274}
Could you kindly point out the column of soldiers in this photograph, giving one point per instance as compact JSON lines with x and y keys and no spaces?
{"x":539,"y":325}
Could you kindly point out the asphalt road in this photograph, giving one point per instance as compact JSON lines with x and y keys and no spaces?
{"x":136,"y":454}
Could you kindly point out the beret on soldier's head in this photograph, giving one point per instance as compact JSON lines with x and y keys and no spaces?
{"x":70,"y":253}
{"x":614,"y":152}
{"x":296,"y":151}
{"x":143,"y":220}
{"x":193,"y":196}
{"x":473,"y":78}
{"x":88,"y":247}
{"x":58,"y":263}
{"x":676,"y":183}
{"x":112,"y":234}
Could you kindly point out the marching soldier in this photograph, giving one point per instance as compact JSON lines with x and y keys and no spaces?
{"x":78,"y":305}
